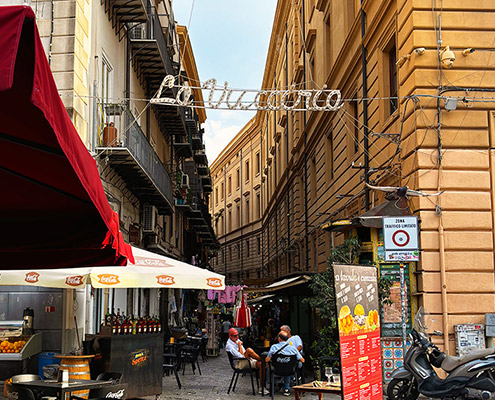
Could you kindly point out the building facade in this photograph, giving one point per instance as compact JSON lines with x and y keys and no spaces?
{"x":108,"y":60}
{"x":416,"y":79}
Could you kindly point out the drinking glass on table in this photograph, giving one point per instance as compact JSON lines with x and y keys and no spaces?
{"x":329,"y":374}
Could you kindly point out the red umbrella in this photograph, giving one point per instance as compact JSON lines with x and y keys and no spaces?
{"x":54,"y":210}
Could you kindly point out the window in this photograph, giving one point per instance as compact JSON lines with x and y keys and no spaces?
{"x":106,"y":70}
{"x":258,"y":205}
{"x":312,"y":178}
{"x":229,"y":220}
{"x":238,"y":176}
{"x":222,"y":191}
{"x":247,"y":211}
{"x":216,"y":195}
{"x":230,"y":185}
{"x":247,"y":171}
{"x":258,"y":245}
{"x":247,"y":249}
{"x":329,"y":155}
{"x":392,"y":78}
{"x":258,"y":166}
{"x":238,"y":212}
{"x":328,"y":44}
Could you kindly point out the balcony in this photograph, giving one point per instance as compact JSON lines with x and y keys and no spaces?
{"x":182,"y":145}
{"x":197,"y":142}
{"x":129,"y":153}
{"x":151,"y":56}
{"x":202,"y":169}
{"x":200,"y":157}
{"x":125,"y":11}
{"x":183,"y":204}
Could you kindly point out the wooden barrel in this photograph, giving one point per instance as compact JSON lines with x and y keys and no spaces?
{"x":78,"y":367}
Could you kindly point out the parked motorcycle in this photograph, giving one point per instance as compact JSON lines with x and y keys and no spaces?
{"x":469,"y":377}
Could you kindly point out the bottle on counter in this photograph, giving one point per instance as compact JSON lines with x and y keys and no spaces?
{"x":108,"y":318}
{"x":159,"y":325}
{"x":125,"y":326}
{"x":133,"y":324}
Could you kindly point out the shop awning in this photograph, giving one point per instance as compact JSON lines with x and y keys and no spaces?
{"x":372,"y":218}
{"x":260,"y":298}
{"x":54,"y":212}
{"x":150,"y":270}
{"x":282,"y":284}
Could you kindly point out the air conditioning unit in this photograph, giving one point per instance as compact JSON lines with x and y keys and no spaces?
{"x":149,"y":218}
{"x":185,"y":180}
{"x":138,"y":31}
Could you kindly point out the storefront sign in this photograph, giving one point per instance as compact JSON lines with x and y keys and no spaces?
{"x":214,"y":282}
{"x":275,"y":100}
{"x":356,"y":295}
{"x":400,"y":237}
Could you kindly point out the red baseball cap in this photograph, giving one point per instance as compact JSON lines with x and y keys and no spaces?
{"x":233,"y":332}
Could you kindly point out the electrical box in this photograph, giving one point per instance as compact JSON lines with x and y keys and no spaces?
{"x":469,"y":337}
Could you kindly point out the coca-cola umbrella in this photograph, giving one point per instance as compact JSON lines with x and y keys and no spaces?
{"x":150,"y":270}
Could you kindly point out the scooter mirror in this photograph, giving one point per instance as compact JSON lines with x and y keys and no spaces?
{"x":438,"y":333}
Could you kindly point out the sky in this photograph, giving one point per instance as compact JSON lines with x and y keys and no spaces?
{"x":230,"y":43}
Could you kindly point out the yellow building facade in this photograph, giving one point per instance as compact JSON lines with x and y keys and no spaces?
{"x":422,"y":116}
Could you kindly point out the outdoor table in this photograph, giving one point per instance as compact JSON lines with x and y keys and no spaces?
{"x":63,"y":388}
{"x":310,"y":388}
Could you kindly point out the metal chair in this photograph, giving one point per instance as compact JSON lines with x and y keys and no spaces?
{"x":241,"y":370}
{"x":16,"y":392}
{"x":171,"y":364}
{"x":189,"y":355}
{"x":282,"y":365}
{"x":115,"y":377}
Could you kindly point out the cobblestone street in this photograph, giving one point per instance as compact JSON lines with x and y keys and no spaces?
{"x":213,"y":384}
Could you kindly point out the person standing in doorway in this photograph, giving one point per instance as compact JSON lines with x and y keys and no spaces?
{"x":226,"y":325}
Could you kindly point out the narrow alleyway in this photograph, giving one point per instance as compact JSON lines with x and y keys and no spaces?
{"x":213,"y":384}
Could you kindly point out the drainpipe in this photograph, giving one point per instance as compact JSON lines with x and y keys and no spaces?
{"x":241,"y":247}
{"x":306,"y":225}
{"x":287,"y":147}
{"x":275,"y":193}
{"x":267,"y":198}
{"x":225,"y":220}
{"x":365,"y":108}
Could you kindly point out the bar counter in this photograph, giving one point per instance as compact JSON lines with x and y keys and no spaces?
{"x":138,"y":357}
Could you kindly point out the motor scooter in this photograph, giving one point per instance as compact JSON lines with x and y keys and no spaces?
{"x":469,"y":377}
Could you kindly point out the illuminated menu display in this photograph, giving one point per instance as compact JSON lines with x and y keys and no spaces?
{"x":356,"y":289}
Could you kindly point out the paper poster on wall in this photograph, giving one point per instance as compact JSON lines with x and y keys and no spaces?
{"x":356,"y":294}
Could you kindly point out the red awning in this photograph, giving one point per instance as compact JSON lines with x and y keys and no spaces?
{"x":53,"y":210}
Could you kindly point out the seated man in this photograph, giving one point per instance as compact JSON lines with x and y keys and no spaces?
{"x":294,"y":340}
{"x":234,"y":346}
{"x":284,"y":348}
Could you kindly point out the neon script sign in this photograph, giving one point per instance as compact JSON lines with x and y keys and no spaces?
{"x":272,"y":100}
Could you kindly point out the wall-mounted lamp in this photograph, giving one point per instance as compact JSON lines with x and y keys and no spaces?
{"x":447,"y":57}
{"x":468,"y":51}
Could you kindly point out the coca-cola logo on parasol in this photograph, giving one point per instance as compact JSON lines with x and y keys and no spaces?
{"x":32,"y":277}
{"x":108,"y":279}
{"x":165,"y":280}
{"x":214,"y":282}
{"x":75,"y":280}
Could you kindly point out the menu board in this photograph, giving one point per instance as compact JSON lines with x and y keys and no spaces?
{"x":356,"y":294}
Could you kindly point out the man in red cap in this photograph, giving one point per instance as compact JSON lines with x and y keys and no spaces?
{"x":234,"y":346}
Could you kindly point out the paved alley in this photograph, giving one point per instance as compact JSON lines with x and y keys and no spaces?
{"x":213,"y":384}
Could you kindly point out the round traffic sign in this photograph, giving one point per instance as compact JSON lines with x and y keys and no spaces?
{"x":400,"y":238}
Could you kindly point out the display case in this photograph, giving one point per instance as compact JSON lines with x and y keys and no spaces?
{"x":14,"y":346}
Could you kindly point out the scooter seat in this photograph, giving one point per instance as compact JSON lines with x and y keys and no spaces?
{"x":450,"y":363}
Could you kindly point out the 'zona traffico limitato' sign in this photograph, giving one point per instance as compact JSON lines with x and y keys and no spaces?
{"x":356,"y":298}
{"x":400,"y":238}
